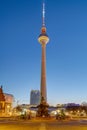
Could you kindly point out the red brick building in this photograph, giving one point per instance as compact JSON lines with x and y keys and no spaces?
{"x":6,"y":102}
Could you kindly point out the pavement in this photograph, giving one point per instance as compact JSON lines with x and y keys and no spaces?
{"x":42,"y":124}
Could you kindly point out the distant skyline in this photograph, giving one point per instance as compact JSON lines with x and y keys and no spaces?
{"x":66,"y":53}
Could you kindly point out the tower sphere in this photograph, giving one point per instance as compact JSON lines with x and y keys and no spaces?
{"x":43,"y":37}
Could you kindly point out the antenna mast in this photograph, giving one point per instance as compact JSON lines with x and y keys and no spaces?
{"x":43,"y":14}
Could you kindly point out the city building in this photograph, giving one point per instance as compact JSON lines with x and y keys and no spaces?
{"x":34,"y":97}
{"x":2,"y":101}
{"x":9,"y":99}
{"x":6,"y":102}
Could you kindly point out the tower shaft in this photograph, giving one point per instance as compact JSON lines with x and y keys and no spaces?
{"x":43,"y":72}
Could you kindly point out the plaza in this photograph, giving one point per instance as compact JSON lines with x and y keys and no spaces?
{"x":43,"y":125}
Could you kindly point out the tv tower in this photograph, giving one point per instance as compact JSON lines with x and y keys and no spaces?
{"x":43,"y":40}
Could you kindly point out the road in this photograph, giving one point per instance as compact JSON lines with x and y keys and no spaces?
{"x":43,"y":125}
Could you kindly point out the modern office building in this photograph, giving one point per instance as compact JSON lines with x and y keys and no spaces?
{"x":34,"y":97}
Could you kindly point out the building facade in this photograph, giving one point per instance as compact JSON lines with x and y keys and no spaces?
{"x":34,"y":97}
{"x":2,"y":101}
{"x":6,"y":102}
{"x":9,"y":99}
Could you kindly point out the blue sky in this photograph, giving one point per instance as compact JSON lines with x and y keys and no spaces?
{"x":66,"y":53}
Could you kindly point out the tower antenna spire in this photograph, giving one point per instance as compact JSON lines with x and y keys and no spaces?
{"x":43,"y":14}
